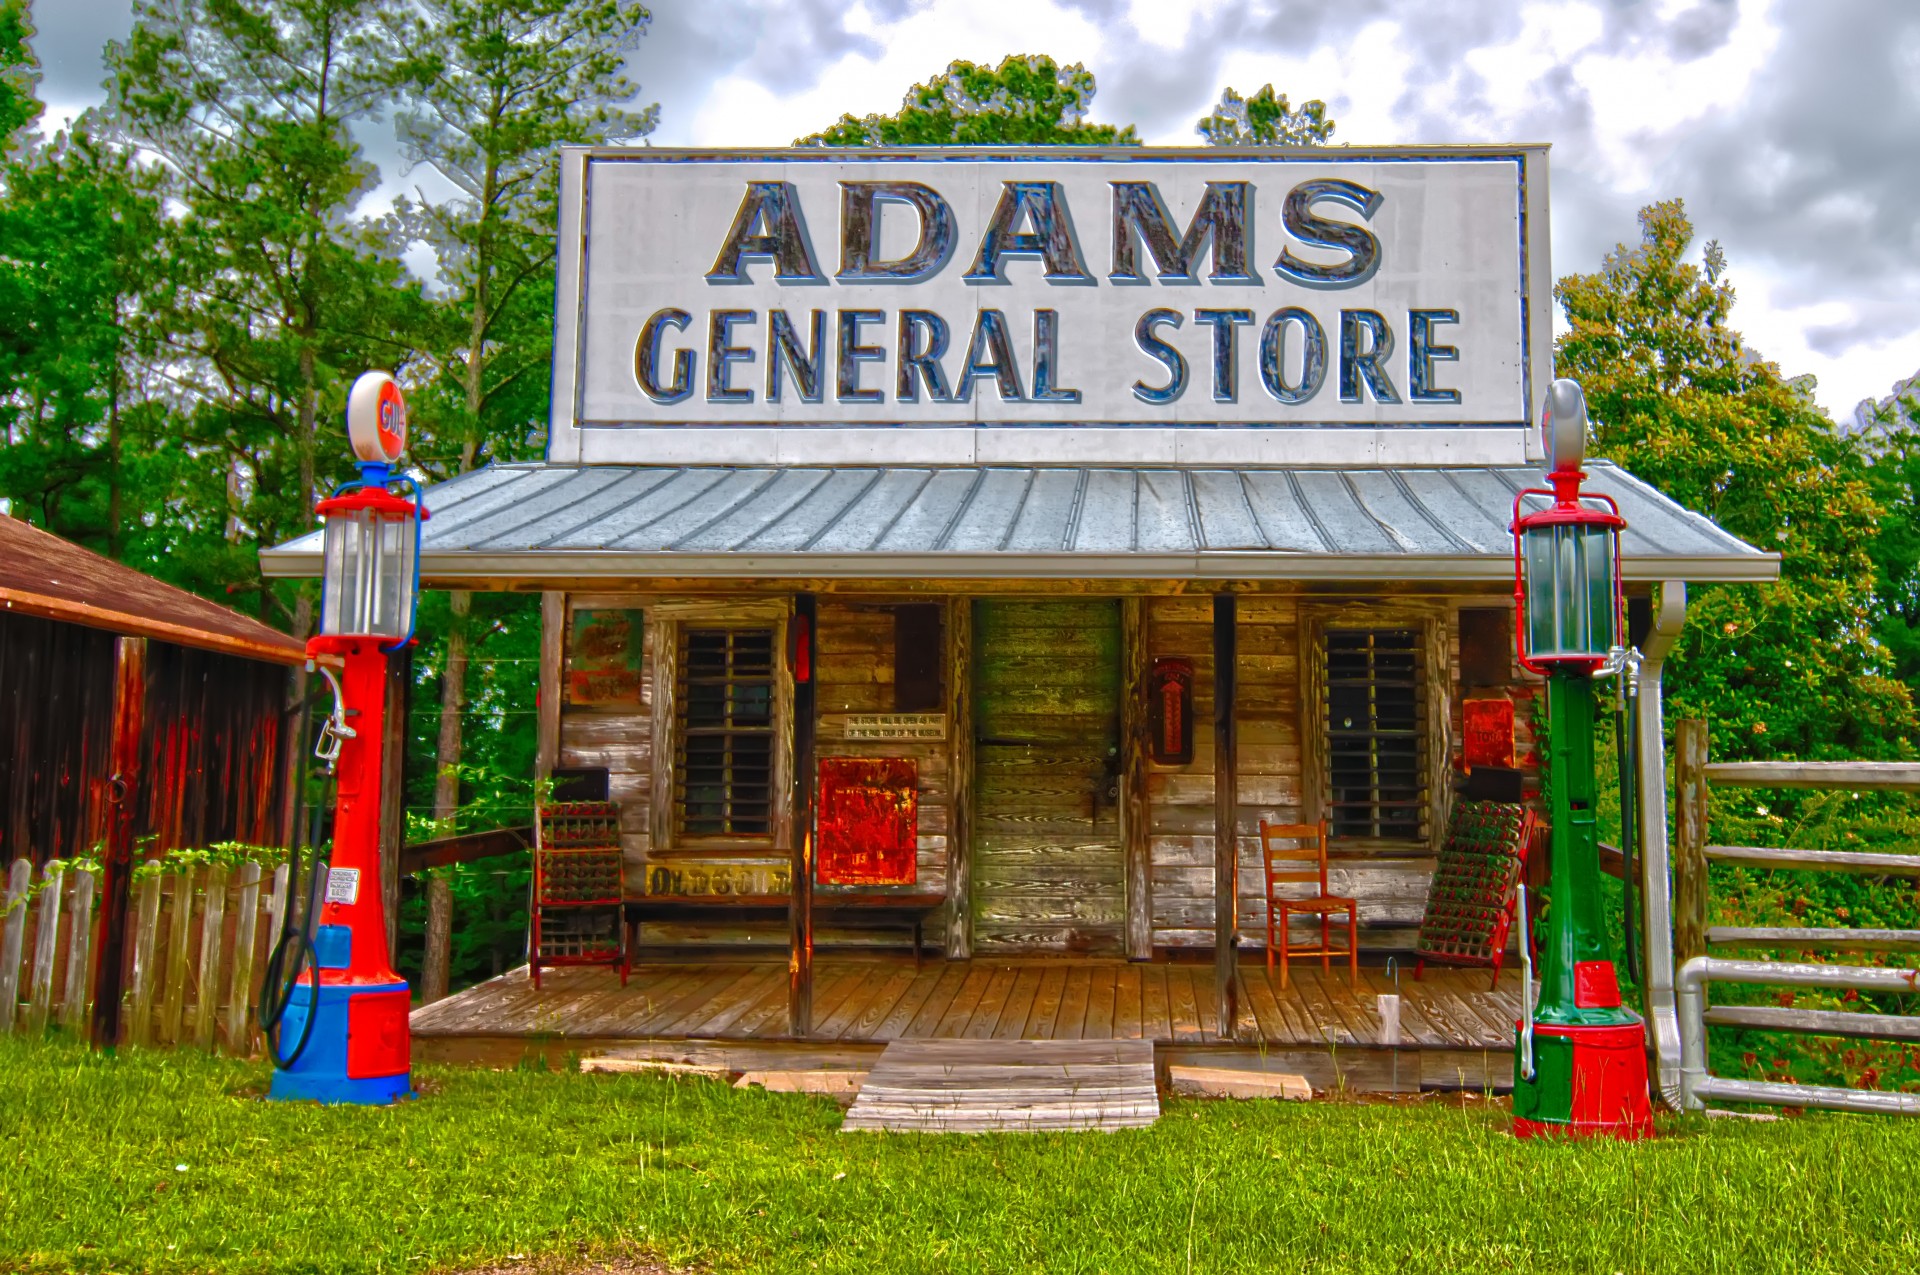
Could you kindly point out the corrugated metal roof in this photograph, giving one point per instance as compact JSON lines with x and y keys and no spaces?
{"x":977,"y":522}
{"x":44,"y":575}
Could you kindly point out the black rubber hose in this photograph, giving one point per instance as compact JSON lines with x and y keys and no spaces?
{"x":282,"y":976}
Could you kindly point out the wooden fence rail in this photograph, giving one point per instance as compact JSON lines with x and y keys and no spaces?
{"x":196,"y":951}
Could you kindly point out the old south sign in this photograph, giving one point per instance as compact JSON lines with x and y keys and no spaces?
{"x":1348,"y":288}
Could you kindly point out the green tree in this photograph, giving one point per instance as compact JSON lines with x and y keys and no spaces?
{"x":1788,"y":669}
{"x":1892,"y":446}
{"x":284,"y":293}
{"x":1266,"y":120}
{"x":82,"y":263}
{"x":19,"y":71}
{"x":492,"y":88}
{"x":1028,"y":100}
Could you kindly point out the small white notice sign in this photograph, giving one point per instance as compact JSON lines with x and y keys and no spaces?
{"x":343,"y":885}
{"x":883,"y":726}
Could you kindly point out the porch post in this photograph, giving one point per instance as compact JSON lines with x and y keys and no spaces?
{"x":1133,"y":778}
{"x":1226,"y":789}
{"x":960,"y":764}
{"x":804,"y":643}
{"x":116,"y":865}
{"x":553,"y":637}
{"x":393,"y":787}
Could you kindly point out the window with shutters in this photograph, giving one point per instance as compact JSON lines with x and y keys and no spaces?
{"x":1376,"y":734}
{"x":724,"y":750}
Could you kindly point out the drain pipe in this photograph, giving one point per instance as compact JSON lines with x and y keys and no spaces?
{"x":1656,"y":878}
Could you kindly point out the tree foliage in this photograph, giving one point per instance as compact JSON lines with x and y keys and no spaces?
{"x":1266,"y":119}
{"x":1027,"y":100}
{"x":1791,"y":668}
{"x":82,"y":267}
{"x":19,"y":71}
{"x":1892,"y":447}
{"x":490,"y":90}
{"x":284,"y":293}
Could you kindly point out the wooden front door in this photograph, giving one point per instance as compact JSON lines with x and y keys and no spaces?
{"x":1048,"y":873}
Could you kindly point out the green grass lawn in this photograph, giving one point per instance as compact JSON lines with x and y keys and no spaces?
{"x":171,"y":1162}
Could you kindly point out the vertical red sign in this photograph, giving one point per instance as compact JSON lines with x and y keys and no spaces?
{"x":1170,"y":711}
{"x":869,"y":820}
{"x":1487,"y":733}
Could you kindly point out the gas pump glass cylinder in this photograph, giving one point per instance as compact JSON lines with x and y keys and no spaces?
{"x":368,"y":546}
{"x":1569,"y":583}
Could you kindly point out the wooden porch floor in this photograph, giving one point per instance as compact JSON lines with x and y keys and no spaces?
{"x":874,"y":1000}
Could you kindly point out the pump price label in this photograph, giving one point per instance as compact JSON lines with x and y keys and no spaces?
{"x":343,"y":885}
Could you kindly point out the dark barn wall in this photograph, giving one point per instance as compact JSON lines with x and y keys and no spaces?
{"x":209,"y":754}
{"x":56,"y":719}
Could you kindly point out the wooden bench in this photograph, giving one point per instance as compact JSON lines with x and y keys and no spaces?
{"x":871,"y":911}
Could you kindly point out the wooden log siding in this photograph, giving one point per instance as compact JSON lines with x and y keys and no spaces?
{"x":1268,"y":757}
{"x":1279,"y":706}
{"x":1276,"y":725}
{"x":853,"y":673}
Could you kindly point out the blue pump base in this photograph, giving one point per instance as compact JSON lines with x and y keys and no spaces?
{"x":334,"y":1066}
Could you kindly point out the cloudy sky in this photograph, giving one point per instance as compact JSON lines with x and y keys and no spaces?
{"x":1790,"y":127}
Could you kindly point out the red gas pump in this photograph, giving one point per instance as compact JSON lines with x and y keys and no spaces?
{"x":336,"y":1012}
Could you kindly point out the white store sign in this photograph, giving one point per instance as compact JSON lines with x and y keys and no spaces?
{"x":1126,"y":296}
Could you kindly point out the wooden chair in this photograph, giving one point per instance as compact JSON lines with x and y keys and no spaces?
{"x":1304,"y":843}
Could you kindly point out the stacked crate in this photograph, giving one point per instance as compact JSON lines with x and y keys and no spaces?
{"x":1470,"y":903}
{"x":578,"y":888}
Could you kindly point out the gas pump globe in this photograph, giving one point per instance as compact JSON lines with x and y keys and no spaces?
{"x":1580,"y":1058}
{"x":339,"y":1028}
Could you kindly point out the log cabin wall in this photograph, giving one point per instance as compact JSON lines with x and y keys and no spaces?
{"x":1282,"y":772}
{"x":855,"y":670}
{"x":1281,"y":729}
{"x":626,"y":734}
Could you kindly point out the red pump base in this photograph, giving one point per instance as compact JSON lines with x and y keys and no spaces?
{"x":1588,"y":1081}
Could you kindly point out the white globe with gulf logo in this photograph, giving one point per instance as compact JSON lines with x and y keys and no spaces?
{"x":377,"y":418}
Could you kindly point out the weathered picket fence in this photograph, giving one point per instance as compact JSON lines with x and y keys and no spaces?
{"x":196,"y":944}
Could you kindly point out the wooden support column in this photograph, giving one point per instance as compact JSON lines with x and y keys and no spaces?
{"x":805,"y":651}
{"x":1226,"y":801}
{"x":553,"y":636}
{"x":960,"y":760}
{"x":1134,"y":812}
{"x":116,"y":864}
{"x":1689,"y":839}
{"x":393,"y":788}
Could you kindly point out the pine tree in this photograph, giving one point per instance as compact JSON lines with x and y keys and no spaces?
{"x":285,"y":294}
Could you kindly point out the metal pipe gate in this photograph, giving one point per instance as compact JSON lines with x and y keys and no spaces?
{"x":1697,"y":1085}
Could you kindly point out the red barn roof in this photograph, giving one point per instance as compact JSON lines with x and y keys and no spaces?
{"x":43,"y":575}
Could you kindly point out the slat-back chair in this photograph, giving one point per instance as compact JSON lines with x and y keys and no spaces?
{"x":1287,"y":849}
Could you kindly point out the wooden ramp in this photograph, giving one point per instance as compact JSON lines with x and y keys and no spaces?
{"x":1027,"y":1086}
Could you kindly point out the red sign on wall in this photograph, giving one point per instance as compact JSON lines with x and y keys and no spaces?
{"x":1487,"y":733}
{"x":1170,"y":711}
{"x":869,"y":820}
